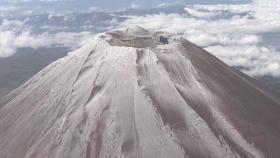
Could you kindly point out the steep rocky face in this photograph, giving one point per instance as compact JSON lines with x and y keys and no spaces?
{"x":126,"y":94}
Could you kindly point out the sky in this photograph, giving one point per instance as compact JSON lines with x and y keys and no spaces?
{"x":84,"y":5}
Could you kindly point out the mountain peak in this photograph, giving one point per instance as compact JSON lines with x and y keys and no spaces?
{"x":138,"y":37}
{"x":136,"y":30}
{"x":138,"y":93}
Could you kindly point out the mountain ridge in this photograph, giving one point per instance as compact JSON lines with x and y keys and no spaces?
{"x":127,"y":94}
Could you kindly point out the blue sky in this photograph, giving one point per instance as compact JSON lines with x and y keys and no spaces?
{"x":84,"y":5}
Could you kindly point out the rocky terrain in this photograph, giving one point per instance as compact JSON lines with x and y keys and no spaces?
{"x":129,"y":94}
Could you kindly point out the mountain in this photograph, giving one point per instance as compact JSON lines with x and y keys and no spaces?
{"x":136,"y":93}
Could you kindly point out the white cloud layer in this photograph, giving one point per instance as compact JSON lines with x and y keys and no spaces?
{"x":14,"y":35}
{"x":134,"y":6}
{"x":5,"y":9}
{"x":236,"y":40}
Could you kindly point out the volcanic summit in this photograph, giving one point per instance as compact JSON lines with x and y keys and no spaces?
{"x":140,"y":94}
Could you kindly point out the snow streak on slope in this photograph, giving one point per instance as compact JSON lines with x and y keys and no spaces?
{"x":127,"y":95}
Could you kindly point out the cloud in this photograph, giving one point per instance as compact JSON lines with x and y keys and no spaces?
{"x":27,"y":12}
{"x":5,"y":9}
{"x":165,"y":4}
{"x":134,"y":6}
{"x":236,"y":39}
{"x":251,"y":59}
{"x":201,"y":14}
{"x":236,"y":9}
{"x":275,"y":4}
{"x":15,"y":34}
{"x":8,"y":8}
{"x":10,"y":41}
{"x":94,"y":9}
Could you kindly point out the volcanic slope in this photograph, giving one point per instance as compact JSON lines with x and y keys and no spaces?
{"x":127,"y":95}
